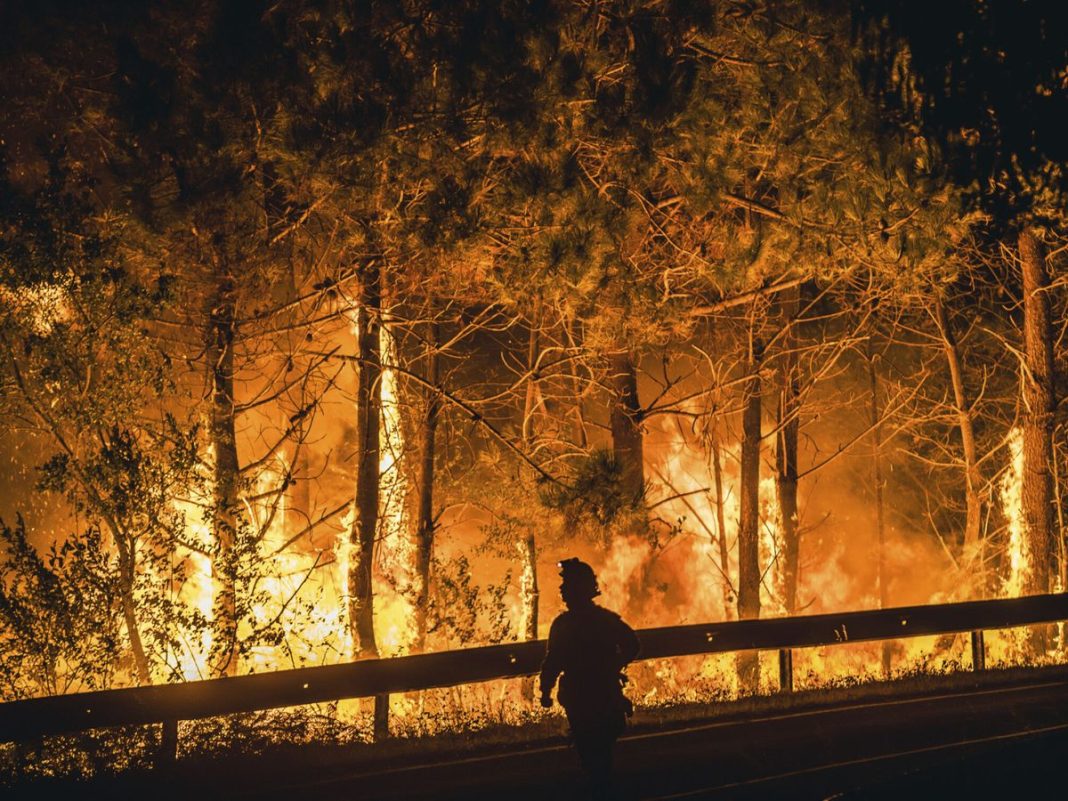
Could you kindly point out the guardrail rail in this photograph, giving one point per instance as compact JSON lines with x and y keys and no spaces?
{"x":167,"y":704}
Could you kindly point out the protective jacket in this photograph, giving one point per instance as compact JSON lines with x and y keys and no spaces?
{"x":589,"y":645}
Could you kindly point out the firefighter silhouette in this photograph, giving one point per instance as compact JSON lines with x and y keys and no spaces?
{"x":590,"y":646}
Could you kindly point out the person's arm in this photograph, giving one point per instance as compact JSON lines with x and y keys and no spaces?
{"x":550,"y":666}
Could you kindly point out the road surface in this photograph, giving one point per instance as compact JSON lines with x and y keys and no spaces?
{"x":851,"y":751}
{"x":991,"y":737}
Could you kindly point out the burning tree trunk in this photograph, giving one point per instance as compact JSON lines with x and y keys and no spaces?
{"x":368,"y":445}
{"x":972,"y":477}
{"x":425,"y":523}
{"x":626,"y":422}
{"x":1039,"y":404}
{"x":749,"y":513}
{"x":789,"y":425}
{"x":530,"y":598}
{"x":225,"y":476}
{"x":877,"y":482}
{"x":530,"y":588}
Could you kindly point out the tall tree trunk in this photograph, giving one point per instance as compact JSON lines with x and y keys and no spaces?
{"x":528,"y":546}
{"x":877,"y":482}
{"x":368,"y":419}
{"x":721,"y":524}
{"x":226,"y":474}
{"x":789,"y":426}
{"x":425,"y":513}
{"x":972,"y":478}
{"x":1039,"y":405}
{"x":627,"y":445}
{"x":749,"y":513}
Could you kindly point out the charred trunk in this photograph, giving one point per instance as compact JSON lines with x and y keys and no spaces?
{"x":789,"y":426}
{"x":749,"y":513}
{"x":368,"y":455}
{"x":1039,"y":404}
{"x":226,"y":475}
{"x":875,"y":414}
{"x":425,"y":523}
{"x":299,"y":504}
{"x":627,"y":445}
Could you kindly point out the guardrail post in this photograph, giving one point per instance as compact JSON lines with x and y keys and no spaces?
{"x":786,"y":670}
{"x":168,"y":744}
{"x":380,"y":730}
{"x":978,"y":650}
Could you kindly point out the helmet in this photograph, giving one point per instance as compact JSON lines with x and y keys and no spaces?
{"x":578,"y":579}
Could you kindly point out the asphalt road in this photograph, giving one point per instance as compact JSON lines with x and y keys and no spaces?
{"x":999,"y":740}
{"x":902,"y":748}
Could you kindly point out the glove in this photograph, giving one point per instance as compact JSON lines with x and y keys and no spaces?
{"x":547,"y":701}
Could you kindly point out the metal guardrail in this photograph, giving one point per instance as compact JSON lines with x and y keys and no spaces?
{"x":169,"y":703}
